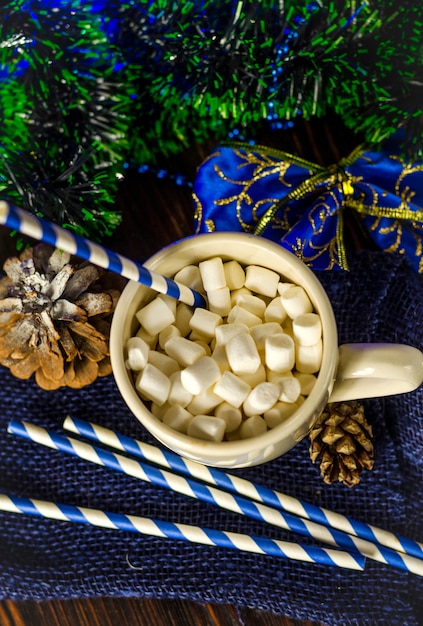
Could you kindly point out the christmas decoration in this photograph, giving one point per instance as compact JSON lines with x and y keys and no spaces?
{"x":85,"y":91}
{"x":55,"y":318}
{"x":302,"y":205}
{"x":62,"y":114}
{"x":246,"y":61}
{"x":341,"y":441}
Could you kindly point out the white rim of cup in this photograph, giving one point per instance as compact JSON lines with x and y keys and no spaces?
{"x":294,"y":272}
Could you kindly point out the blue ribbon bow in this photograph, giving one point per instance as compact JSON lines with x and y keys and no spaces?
{"x":256,"y":189}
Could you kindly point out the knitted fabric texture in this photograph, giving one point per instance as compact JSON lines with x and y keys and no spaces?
{"x":379,"y":299}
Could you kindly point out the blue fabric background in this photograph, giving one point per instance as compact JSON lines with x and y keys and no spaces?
{"x":379,"y":299}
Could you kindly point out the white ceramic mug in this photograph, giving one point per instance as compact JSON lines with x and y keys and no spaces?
{"x":351,"y":371}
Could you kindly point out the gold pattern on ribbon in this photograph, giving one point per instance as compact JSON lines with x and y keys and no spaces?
{"x":262,"y":158}
{"x":210,"y":225}
{"x":263,"y":167}
{"x":407,"y":169}
{"x":198,"y":212}
{"x":337,"y":176}
{"x":334,"y":248}
{"x":334,"y":175}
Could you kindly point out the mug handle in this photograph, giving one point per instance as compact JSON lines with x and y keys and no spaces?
{"x":371,"y":370}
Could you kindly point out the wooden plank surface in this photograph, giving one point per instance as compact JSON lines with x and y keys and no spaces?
{"x":135,"y":612}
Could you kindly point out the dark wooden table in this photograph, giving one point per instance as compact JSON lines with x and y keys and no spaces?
{"x":155,"y":213}
{"x":135,"y":612}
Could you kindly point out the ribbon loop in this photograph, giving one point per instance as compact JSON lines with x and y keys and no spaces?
{"x":301,"y":204}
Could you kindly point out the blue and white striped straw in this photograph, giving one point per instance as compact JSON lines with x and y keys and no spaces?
{"x":241,"y":486}
{"x":42,"y":230}
{"x":212,"y":495}
{"x":184,"y":532}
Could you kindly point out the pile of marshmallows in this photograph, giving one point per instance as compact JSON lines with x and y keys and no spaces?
{"x":233,"y":370}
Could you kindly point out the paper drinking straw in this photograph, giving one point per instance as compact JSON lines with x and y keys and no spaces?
{"x":184,"y":532}
{"x":42,"y":230}
{"x":179,"y":484}
{"x":212,"y":495}
{"x":241,"y":486}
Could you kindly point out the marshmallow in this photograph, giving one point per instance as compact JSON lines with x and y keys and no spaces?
{"x":153,"y":384}
{"x":253,"y":379}
{"x":207,"y":427}
{"x":137,"y":350}
{"x":219,"y":355}
{"x":200,"y":375}
{"x":151,"y":340}
{"x":252,"y":427}
{"x":309,"y":358}
{"x":274,"y":311}
{"x":182,"y":318}
{"x":289,"y":387}
{"x":177,"y":393}
{"x":219,"y":301}
{"x":225,"y":332}
{"x":242,"y":354}
{"x":163,"y":362}
{"x":190,"y":276}
{"x":271,"y":376}
{"x":253,"y":304}
{"x":184,"y":351}
{"x":203,"y":343}
{"x":300,"y":400}
{"x":282,"y":287}
{"x":232,"y":389}
{"x":204,"y":402}
{"x":159,"y":410}
{"x":238,"y":292}
{"x":287,"y":327}
{"x":262,"y":280}
{"x":261,"y":399}
{"x":295,"y":301}
{"x":155,"y":316}
{"x":195,"y":335}
{"x":279,"y":352}
{"x":212,"y":274}
{"x":279,"y":413}
{"x":167,"y":333}
{"x":239,"y":315}
{"x":231,"y":415}
{"x":306,"y":381}
{"x":307,"y":329}
{"x":233,"y":435}
{"x":227,"y":371}
{"x":171,"y":302}
{"x":261,"y":331}
{"x":205,"y":322}
{"x":178,"y":418}
{"x":234,"y":275}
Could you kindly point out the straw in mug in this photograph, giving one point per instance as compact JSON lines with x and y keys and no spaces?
{"x":212,"y":495}
{"x":42,"y":230}
{"x":185,"y":532}
{"x":241,"y":486}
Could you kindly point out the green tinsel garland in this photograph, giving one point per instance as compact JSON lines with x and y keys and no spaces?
{"x":86,"y":88}
{"x":64,"y":112}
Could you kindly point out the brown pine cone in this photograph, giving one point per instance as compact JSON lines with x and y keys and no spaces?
{"x":55,"y":318}
{"x":341,"y":440}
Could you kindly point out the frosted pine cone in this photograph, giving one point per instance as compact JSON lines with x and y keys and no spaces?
{"x":55,"y":319}
{"x":341,"y":440}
